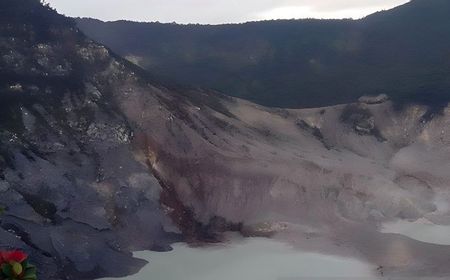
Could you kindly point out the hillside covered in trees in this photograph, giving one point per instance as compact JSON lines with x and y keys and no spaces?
{"x":403,"y":52}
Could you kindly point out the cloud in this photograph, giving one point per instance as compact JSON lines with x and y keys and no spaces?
{"x":219,"y":11}
{"x":328,"y":9}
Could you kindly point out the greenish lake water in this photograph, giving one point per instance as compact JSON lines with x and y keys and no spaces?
{"x":248,"y":259}
{"x":421,"y":230}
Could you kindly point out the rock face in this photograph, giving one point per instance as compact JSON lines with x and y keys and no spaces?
{"x":96,"y":157}
{"x":76,"y":194}
{"x":374,"y":99}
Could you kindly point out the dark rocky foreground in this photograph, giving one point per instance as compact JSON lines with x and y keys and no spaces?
{"x":98,"y":160}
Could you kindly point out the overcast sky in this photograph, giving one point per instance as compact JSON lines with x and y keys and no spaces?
{"x":219,"y":11}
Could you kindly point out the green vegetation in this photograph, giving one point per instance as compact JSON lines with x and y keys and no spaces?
{"x":404,"y":52}
{"x":14,"y":265}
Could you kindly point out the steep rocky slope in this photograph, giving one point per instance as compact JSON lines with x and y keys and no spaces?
{"x":76,"y":195}
{"x":98,"y":160}
{"x":313,"y":177}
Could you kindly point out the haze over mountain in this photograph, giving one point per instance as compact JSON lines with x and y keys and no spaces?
{"x":403,"y":52}
{"x":220,"y":11}
{"x":98,"y":158}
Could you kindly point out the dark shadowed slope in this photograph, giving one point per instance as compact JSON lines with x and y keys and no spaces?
{"x":404,"y":52}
